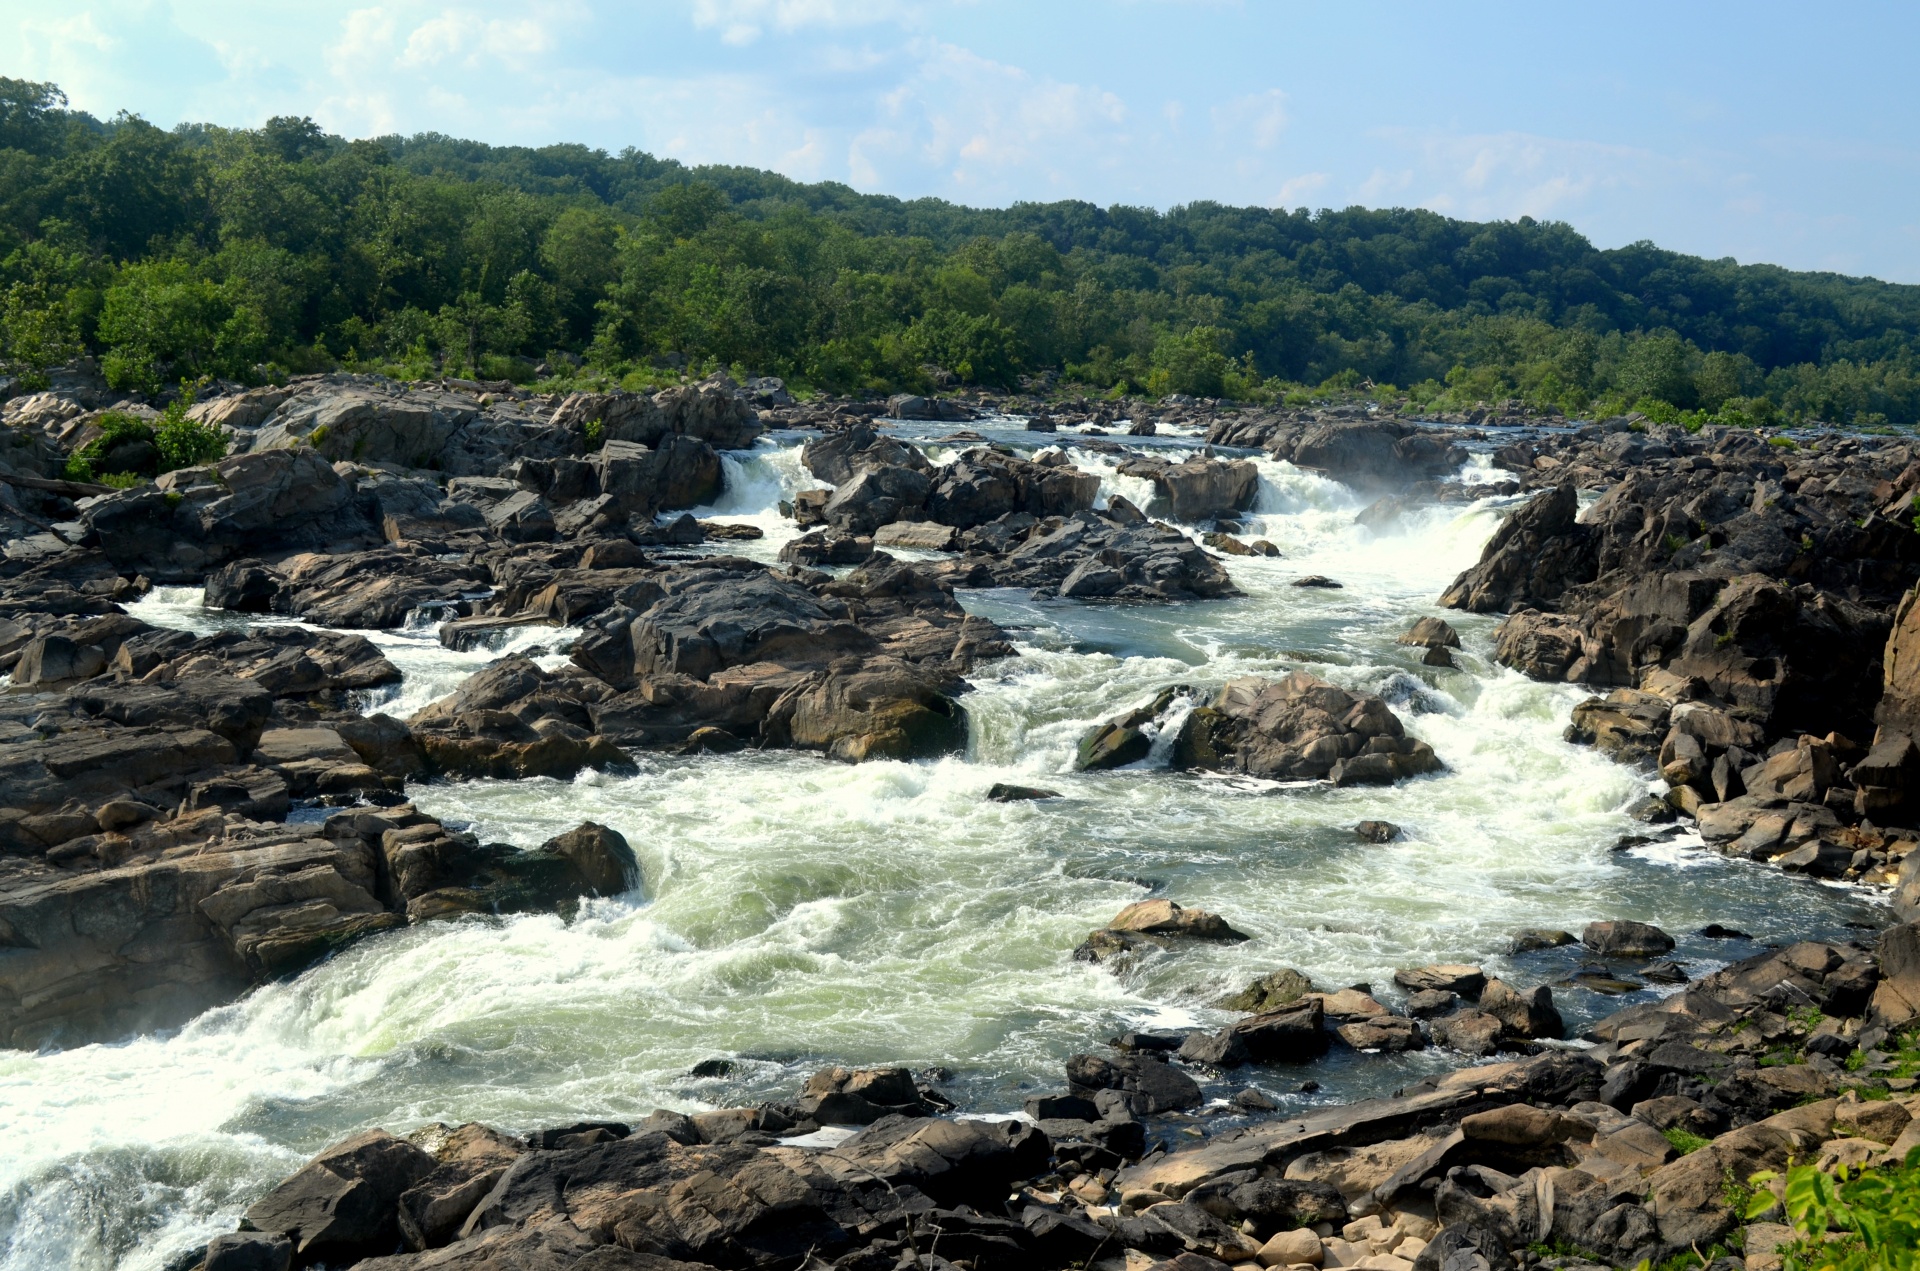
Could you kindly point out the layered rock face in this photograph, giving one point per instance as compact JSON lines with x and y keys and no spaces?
{"x":1745,"y":604}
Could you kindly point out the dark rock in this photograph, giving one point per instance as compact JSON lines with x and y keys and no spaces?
{"x":1003,"y":793}
{"x":1623,"y":939}
{"x":1376,"y":831}
{"x":342,"y":1204}
{"x":604,"y":860}
{"x":1300,"y":727}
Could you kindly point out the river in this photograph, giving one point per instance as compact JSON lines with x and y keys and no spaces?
{"x":796,"y":913}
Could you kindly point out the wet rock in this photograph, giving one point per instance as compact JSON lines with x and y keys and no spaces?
{"x":169,"y":937}
{"x":601,"y":855}
{"x":1534,"y":939}
{"x":1624,"y":939}
{"x":1127,"y":738}
{"x":985,"y":484}
{"x":1198,"y":488}
{"x":248,"y":1251}
{"x":1427,"y":1003}
{"x":1150,"y":1085}
{"x":1376,"y":831}
{"x":1387,"y":1033}
{"x":1369,"y":454}
{"x":1469,"y":1032}
{"x":1467,"y":981}
{"x":1089,"y":555}
{"x":1000,"y":792}
{"x":1224,"y":1049}
{"x":1168,"y":918}
{"x":1431,"y":633}
{"x":342,"y":1204}
{"x":1270,"y":992}
{"x":1300,"y":727}
{"x":1523,"y":1014}
{"x":860,"y":1096}
{"x":1292,"y":1034}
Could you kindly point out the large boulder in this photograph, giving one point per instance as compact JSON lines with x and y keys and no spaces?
{"x":1369,"y":453}
{"x":706,"y":412}
{"x":1198,"y":488}
{"x":369,"y":426}
{"x":1536,"y":554}
{"x":1300,"y":728}
{"x":678,"y":472}
{"x":99,"y":955}
{"x":194,"y":519}
{"x":343,"y":1204}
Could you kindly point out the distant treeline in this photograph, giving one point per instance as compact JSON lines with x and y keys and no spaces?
{"x":235,"y":253}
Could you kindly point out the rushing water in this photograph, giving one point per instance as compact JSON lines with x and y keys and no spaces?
{"x":796,"y":912}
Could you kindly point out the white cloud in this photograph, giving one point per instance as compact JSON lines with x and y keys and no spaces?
{"x":1256,"y":119}
{"x":1297,"y":188}
{"x":743,"y":21}
{"x":1501,"y":176}
{"x":985,"y":124}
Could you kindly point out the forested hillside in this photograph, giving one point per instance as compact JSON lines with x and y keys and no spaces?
{"x":208,"y":251}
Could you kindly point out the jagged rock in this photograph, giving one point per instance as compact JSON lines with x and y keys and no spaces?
{"x":470,"y":1160}
{"x":1383,"y":453}
{"x":1535,"y":555}
{"x":1291,"y":1034}
{"x":641,"y":480}
{"x":861,"y":1096}
{"x":342,"y":1204}
{"x":1467,"y":981}
{"x":1166,"y":918}
{"x":1150,"y":1085}
{"x":781,"y":661}
{"x":705,"y":412}
{"x":194,"y":519}
{"x":1300,"y":727}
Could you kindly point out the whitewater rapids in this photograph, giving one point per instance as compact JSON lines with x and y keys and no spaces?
{"x":796,"y":913}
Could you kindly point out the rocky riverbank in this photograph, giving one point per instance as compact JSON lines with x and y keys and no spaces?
{"x":1636,"y":1146}
{"x":189,"y":816}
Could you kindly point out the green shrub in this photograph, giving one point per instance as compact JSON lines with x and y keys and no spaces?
{"x":1874,"y":1214}
{"x":117,"y":429}
{"x":185,"y":442}
{"x":1684,"y":1141}
{"x":176,"y":441}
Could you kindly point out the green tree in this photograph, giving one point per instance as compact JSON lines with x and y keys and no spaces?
{"x":163,"y":320}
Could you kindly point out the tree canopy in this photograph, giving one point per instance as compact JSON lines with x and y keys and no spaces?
{"x":208,"y":251}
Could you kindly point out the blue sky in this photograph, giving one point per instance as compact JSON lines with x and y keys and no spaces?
{"x":1773,"y":132}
